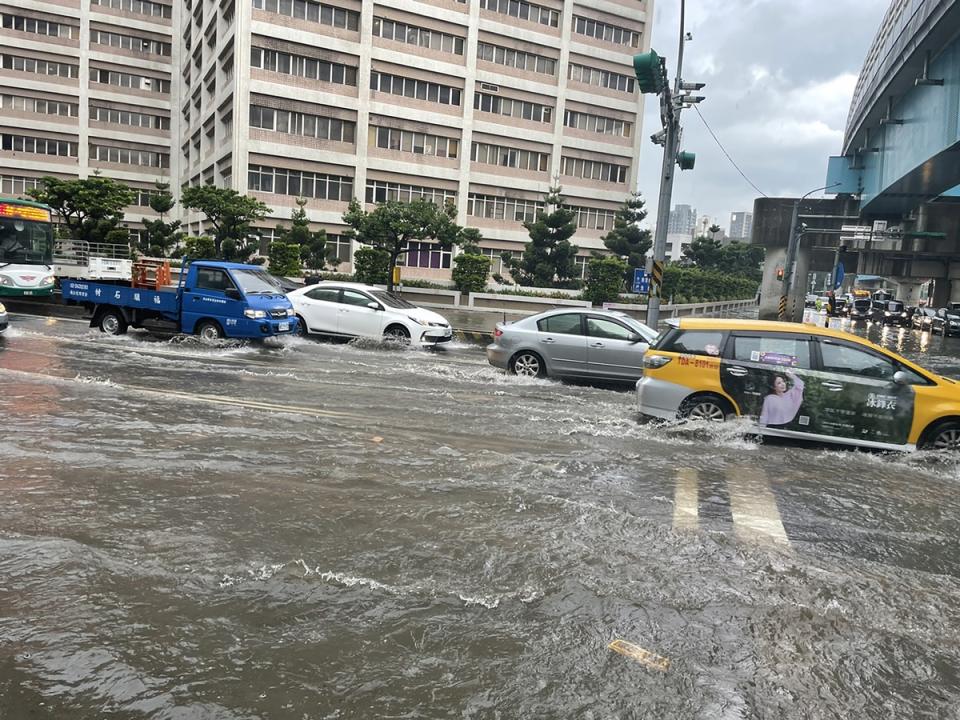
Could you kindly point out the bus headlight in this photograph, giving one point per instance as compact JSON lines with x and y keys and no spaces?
{"x":48,"y":280}
{"x":4,"y":280}
{"x":254,"y":314}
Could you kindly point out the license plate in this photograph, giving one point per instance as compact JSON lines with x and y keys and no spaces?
{"x":284,"y":326}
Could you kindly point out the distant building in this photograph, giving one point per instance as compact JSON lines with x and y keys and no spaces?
{"x":741,"y":225}
{"x":676,"y":244}
{"x":683,"y":219}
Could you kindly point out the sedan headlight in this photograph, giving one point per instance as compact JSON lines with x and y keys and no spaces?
{"x":903,"y":314}
{"x":254,"y":314}
{"x":887,"y":314}
{"x":2,"y":308}
{"x":437,"y":324}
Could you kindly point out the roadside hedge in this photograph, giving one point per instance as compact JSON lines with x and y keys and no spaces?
{"x":695,"y":285}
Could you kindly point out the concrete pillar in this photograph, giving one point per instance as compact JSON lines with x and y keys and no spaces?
{"x":770,"y":287}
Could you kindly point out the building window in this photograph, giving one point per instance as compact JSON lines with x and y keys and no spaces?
{"x":140,"y":7}
{"x":606,"y":32}
{"x":580,"y":267}
{"x":593,"y":170}
{"x":38,"y":146}
{"x":425,"y":255}
{"x":15,"y":185}
{"x":299,"y":183}
{"x":300,"y":66}
{"x":601,"y":78}
{"x":510,"y":157}
{"x":502,"y":208}
{"x":417,"y":89}
{"x":496,"y":259}
{"x":127,"y":117}
{"x":380,"y":191}
{"x":129,"y":42}
{"x":516,"y":59}
{"x":597,"y":123}
{"x":126,"y":156}
{"x":302,"y":124}
{"x":536,"y":112}
{"x":341,"y":248}
{"x":413,"y":142}
{"x":594,"y":218}
{"x":128,"y":80}
{"x":312,"y":12}
{"x":38,"y":27}
{"x":524,"y":11}
{"x":38,"y":67}
{"x":413,"y":35}
{"x":37,"y":105}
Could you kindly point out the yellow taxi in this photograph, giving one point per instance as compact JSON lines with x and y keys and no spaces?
{"x":798,"y":381}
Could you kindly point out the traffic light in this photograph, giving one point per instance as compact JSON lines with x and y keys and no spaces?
{"x":780,"y":274}
{"x":686,"y":160}
{"x":649,"y":71}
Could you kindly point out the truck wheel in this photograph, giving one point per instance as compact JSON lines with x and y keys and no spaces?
{"x":209,"y":330}
{"x":112,"y":323}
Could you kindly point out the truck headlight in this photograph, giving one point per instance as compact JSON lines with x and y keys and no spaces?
{"x":254,"y":314}
{"x":290,"y":312}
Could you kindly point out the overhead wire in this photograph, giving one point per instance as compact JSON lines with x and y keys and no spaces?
{"x":720,"y":145}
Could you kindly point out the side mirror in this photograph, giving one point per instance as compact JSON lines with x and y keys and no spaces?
{"x":374,"y":306}
{"x":233,"y":294}
{"x":901,"y":378}
{"x":635,"y":338}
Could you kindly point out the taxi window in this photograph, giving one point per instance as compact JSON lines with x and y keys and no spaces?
{"x":601,"y":327}
{"x":566,"y":324}
{"x":695,"y":342}
{"x":849,"y":360}
{"x":772,"y":350}
{"x":325,"y":294}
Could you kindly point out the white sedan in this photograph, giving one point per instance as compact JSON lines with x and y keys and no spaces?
{"x":353,"y":310}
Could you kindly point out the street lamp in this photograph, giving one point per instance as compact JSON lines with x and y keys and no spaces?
{"x":793,"y":243}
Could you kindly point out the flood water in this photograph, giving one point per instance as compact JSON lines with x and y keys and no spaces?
{"x":317,"y":530}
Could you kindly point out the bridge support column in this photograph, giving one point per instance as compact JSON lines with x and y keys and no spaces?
{"x":770,"y":286}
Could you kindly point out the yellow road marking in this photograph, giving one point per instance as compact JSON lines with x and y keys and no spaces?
{"x":635,"y":652}
{"x":753,"y":506}
{"x":686,"y":500}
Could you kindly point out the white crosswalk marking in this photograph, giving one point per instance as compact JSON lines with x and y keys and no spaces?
{"x":753,"y":506}
{"x":685,"y":500}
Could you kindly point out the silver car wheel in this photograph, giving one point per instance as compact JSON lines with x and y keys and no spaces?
{"x":527,"y":364}
{"x":947,"y":439}
{"x":706,"y":410}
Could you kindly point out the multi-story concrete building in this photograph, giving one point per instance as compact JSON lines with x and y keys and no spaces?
{"x":85,"y":85}
{"x":683,"y":220}
{"x":741,"y":225}
{"x":485,"y":103}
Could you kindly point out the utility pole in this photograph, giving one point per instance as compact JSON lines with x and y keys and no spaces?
{"x":790,"y":264}
{"x":651,"y":72}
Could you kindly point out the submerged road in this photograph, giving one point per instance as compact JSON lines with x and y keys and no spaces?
{"x":318,"y":530}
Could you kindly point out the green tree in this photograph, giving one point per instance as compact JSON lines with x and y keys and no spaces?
{"x":371,"y":265}
{"x":231,"y":217}
{"x":90,"y":209}
{"x":392,"y":225}
{"x":626,"y":238}
{"x":284,"y":258}
{"x":311,"y":245}
{"x":704,"y":252}
{"x":471,"y":268}
{"x":199,"y":247}
{"x":604,"y":279}
{"x":159,"y":236}
{"x":549,"y":256}
{"x":742,"y":259}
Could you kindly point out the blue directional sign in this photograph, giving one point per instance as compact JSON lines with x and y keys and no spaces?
{"x":838,"y":276}
{"x":641,"y":282}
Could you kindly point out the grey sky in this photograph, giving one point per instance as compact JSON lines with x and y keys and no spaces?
{"x":779,"y":77}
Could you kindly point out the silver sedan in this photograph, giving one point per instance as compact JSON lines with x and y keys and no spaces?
{"x":583,"y":343}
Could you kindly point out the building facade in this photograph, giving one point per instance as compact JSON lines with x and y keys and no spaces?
{"x":683,"y":220}
{"x":741,"y":226}
{"x":485,"y":103}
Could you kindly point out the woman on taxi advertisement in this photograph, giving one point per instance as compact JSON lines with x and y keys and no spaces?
{"x":781,"y":405}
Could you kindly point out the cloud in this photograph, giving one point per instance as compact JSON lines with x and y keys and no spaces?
{"x":779,"y":81}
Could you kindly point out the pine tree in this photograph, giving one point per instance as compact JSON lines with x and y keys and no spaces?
{"x":160,"y":236}
{"x":311,"y":246}
{"x":627,"y":239}
{"x":549,"y":256}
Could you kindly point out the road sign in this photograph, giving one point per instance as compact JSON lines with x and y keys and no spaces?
{"x":641,"y":282}
{"x":838,"y":275}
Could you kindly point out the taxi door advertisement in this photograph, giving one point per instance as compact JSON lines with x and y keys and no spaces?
{"x":781,"y":396}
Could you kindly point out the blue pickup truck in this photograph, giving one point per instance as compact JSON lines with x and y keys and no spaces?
{"x":212,"y":299}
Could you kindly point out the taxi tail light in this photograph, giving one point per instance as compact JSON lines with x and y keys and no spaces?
{"x":653,"y":362}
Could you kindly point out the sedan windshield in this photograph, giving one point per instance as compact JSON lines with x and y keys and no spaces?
{"x":391,"y":300}
{"x":254,"y":282}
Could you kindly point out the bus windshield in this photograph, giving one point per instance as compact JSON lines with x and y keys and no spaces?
{"x":26,"y":242}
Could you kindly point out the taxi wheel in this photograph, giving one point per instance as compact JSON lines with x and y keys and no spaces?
{"x":705,"y":407}
{"x":528,"y":364}
{"x":945,"y":436}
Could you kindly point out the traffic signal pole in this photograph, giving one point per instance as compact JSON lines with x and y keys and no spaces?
{"x":659,"y":250}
